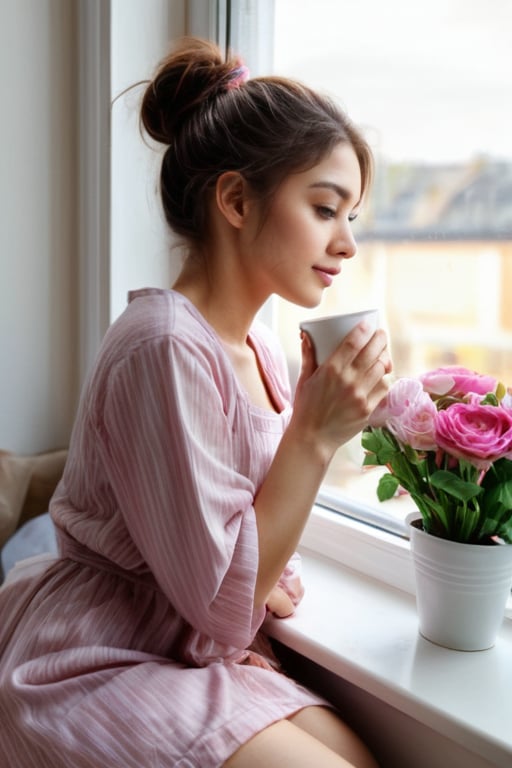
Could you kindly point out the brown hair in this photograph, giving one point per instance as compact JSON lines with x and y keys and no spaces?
{"x":265,"y":128}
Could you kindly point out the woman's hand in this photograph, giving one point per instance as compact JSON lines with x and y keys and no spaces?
{"x":333,"y":401}
{"x":332,"y":404}
{"x":279,"y":603}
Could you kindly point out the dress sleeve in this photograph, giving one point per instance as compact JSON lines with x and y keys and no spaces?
{"x":168,"y":446}
{"x":290,"y":580}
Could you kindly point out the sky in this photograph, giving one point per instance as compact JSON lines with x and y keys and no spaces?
{"x":427,"y":80}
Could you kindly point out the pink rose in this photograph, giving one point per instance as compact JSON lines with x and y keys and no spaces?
{"x":456,"y":380}
{"x":480,"y":434}
{"x":397,"y":399}
{"x":409,"y":413}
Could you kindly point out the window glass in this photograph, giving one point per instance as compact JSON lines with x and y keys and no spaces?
{"x":430,"y":85}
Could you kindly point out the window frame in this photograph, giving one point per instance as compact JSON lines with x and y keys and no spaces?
{"x":340,"y":527}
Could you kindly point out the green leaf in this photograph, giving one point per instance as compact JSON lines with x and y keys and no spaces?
{"x":409,"y":475}
{"x":501,"y":471}
{"x":500,"y":494}
{"x":434,"y":515}
{"x":371,"y":441}
{"x":387,"y":487}
{"x":497,"y":522}
{"x":504,"y":530}
{"x":380,"y":443}
{"x":494,"y":522}
{"x":489,"y":399}
{"x":466,"y":522}
{"x":454,"y":485}
{"x":497,"y":485}
{"x":411,"y":455}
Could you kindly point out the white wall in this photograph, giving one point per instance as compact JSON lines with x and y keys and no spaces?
{"x":38,"y":278}
{"x":140,"y":242}
{"x":42,"y":309}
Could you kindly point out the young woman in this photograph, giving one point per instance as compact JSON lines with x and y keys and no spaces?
{"x":190,"y":478}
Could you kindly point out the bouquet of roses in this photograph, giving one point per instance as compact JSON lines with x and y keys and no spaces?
{"x":446,"y":439}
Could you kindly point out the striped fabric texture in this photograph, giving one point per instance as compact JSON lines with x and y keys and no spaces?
{"x":136,"y":646}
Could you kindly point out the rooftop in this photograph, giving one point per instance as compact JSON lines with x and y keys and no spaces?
{"x":440,"y":202}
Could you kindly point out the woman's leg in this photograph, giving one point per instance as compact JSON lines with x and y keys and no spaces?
{"x":313,"y":737}
{"x":326,"y":726}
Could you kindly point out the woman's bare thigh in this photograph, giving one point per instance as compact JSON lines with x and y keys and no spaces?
{"x":314,"y":736}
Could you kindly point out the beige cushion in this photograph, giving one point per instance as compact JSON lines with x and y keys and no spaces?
{"x":27,"y":484}
{"x":15,"y":475}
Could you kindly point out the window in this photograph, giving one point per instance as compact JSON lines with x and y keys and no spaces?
{"x":429,"y":85}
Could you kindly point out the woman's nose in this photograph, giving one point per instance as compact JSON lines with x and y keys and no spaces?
{"x":344,"y":243}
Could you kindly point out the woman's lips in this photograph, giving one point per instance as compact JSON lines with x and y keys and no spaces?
{"x":326,"y":275}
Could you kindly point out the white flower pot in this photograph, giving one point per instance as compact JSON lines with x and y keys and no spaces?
{"x":461,"y":589}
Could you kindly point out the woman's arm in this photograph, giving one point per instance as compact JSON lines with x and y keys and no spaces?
{"x":332,"y":404}
{"x":167,"y":451}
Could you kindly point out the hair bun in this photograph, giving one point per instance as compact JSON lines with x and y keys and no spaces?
{"x":192,"y":74}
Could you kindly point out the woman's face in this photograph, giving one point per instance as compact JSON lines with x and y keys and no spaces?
{"x":307,"y":233}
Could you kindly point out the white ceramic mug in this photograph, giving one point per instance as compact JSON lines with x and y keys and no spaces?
{"x":327,"y":332}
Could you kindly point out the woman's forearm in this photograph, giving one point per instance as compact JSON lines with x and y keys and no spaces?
{"x":332,"y":404}
{"x":283,"y":505}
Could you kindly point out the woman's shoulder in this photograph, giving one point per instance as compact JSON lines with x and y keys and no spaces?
{"x":157,"y":325}
{"x":156,"y":314}
{"x":164,"y":311}
{"x":160,"y":338}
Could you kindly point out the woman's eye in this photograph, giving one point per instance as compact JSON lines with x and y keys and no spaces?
{"x":352,"y":217}
{"x":325,"y":212}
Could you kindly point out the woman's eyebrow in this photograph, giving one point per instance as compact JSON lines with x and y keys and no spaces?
{"x":343,"y":192}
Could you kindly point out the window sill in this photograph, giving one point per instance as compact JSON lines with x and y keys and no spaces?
{"x":365,"y":631}
{"x":370,"y":550}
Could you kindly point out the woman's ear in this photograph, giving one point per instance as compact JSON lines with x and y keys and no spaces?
{"x":231,"y":197}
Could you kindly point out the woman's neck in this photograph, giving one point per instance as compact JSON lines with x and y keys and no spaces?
{"x":225,"y":303}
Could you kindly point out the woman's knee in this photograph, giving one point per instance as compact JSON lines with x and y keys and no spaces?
{"x":326,"y":725}
{"x":288,"y":743}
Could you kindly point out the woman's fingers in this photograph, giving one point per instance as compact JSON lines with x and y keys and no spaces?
{"x":361,"y":348}
{"x":334,"y":400}
{"x":308,"y":362}
{"x":279,"y":603}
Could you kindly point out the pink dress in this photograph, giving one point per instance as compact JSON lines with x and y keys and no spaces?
{"x":131,"y":650}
